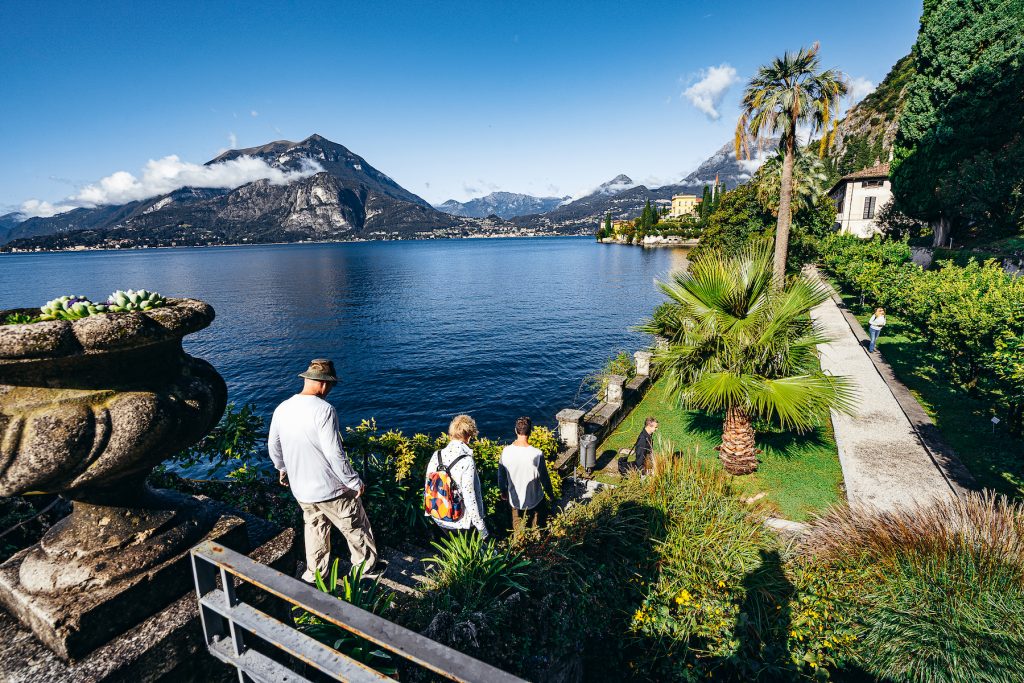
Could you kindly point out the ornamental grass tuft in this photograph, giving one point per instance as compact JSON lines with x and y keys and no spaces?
{"x":942,"y":597}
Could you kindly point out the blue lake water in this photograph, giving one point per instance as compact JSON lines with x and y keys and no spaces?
{"x":419,"y":331}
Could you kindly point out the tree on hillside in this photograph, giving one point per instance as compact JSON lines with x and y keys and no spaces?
{"x":788,"y":93}
{"x":741,"y":346}
{"x":810,"y":181}
{"x":958,"y":158}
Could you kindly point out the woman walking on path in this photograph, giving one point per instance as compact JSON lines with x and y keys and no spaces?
{"x":461,"y":481}
{"x":875,"y":326}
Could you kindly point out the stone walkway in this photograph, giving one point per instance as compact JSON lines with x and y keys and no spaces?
{"x":885,"y":463}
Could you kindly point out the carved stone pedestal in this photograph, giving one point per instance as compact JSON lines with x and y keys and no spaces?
{"x":74,"y":616}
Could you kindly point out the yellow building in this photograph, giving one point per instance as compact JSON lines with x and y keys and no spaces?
{"x":684,"y":205}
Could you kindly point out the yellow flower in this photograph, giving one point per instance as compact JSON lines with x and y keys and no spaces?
{"x":683,"y":596}
{"x":721,"y":584}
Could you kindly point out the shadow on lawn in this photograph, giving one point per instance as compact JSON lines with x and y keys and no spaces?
{"x":786,"y":444}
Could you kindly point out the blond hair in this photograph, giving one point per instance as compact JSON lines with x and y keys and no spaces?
{"x":462,"y":428}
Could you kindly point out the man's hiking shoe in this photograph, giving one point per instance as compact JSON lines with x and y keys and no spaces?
{"x":376,"y":571}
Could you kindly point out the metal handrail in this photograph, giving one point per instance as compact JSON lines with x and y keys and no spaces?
{"x":227,"y":622}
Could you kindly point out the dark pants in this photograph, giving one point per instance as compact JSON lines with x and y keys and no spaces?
{"x":533,"y":518}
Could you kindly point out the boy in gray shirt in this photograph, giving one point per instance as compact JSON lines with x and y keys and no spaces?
{"x":523,"y":478}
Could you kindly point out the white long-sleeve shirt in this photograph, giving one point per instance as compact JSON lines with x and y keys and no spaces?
{"x":466,"y":478}
{"x":305,"y":443}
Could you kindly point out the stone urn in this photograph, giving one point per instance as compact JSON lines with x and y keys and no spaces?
{"x":87,"y":409}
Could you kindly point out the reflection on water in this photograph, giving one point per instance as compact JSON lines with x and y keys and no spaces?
{"x":419,"y":331}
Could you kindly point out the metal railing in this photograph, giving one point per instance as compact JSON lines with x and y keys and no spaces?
{"x":229,"y":622}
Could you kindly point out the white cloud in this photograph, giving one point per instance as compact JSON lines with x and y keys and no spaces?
{"x":706,"y":94}
{"x":254,"y":113}
{"x":33,"y":208}
{"x":757,"y":157}
{"x":165,"y":175}
{"x":858,"y":89}
{"x":232,"y":141}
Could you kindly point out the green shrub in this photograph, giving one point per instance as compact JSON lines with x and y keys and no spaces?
{"x":727,"y":604}
{"x":941,"y":589}
{"x":971,"y":313}
{"x":471,"y":572}
{"x":366,"y":595}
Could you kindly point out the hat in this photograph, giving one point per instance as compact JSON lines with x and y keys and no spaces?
{"x":320,"y":369}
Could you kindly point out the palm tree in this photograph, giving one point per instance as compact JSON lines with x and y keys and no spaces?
{"x":810,"y":181}
{"x":785,"y":95}
{"x":739,"y":345}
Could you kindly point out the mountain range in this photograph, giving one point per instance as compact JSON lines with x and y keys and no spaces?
{"x":338,"y":196}
{"x":501,"y":204}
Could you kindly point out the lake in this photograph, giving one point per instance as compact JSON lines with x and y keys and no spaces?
{"x":419,"y":331}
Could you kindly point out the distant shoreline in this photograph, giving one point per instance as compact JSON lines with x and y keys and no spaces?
{"x":73,"y":250}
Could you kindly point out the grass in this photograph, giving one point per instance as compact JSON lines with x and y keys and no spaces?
{"x":800,"y":474}
{"x":992,"y":456}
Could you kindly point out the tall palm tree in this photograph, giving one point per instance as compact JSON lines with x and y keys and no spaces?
{"x":740,"y":345}
{"x":810,"y":181}
{"x":787,"y":94}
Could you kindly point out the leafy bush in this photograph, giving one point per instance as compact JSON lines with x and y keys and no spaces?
{"x":472,"y":572}
{"x":367,"y":595}
{"x":19,"y":319}
{"x":235,"y":441}
{"x":621,"y":363}
{"x":941,"y":589}
{"x":973,"y":314}
{"x":739,"y":611}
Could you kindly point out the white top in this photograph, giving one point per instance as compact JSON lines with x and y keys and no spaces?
{"x":523,"y":474}
{"x":305,"y":443}
{"x":877,"y":322}
{"x":465,"y":477}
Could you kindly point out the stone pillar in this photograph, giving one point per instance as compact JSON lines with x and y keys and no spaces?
{"x":569,"y":426}
{"x":614,"y":392}
{"x":643,"y":362}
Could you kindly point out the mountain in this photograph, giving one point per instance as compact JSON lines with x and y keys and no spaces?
{"x":501,"y":204}
{"x":345,"y":198}
{"x":624,"y":199}
{"x":867,"y":131}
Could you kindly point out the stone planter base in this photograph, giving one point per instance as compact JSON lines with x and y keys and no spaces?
{"x":75,"y":622}
{"x":167,"y":646}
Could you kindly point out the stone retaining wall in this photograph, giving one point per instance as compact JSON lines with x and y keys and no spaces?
{"x":620,"y":398}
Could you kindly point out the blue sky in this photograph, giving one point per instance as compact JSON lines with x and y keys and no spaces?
{"x":451,"y":99}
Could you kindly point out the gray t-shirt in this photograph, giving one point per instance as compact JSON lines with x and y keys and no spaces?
{"x":523,"y":474}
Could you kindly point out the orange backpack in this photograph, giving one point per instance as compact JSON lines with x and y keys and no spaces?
{"x":442,"y":499}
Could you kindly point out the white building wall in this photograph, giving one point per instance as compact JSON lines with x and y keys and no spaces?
{"x":851,"y":218}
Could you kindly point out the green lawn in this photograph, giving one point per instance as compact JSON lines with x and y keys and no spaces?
{"x":995,"y":458}
{"x":799,"y":473}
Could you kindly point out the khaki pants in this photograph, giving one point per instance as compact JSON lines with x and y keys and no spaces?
{"x":348,"y":515}
{"x":528,"y":519}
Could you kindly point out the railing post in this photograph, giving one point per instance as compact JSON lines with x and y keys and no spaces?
{"x":643,"y":362}
{"x":569,"y":426}
{"x":613,"y":394}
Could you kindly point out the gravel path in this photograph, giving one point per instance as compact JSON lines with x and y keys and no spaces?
{"x":885,"y":464}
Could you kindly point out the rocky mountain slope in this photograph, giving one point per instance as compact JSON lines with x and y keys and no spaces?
{"x":347,"y":199}
{"x":869,"y":128}
{"x":501,"y":204}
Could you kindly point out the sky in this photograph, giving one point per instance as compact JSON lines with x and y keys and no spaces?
{"x":451,"y":99}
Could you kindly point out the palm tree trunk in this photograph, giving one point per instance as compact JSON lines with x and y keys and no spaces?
{"x":785,"y":212}
{"x":738,"y":453}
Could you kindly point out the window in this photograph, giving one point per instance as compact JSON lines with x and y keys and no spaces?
{"x":871,"y":183}
{"x":869,"y":207}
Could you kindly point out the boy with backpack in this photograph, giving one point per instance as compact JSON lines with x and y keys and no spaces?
{"x":453,"y":497}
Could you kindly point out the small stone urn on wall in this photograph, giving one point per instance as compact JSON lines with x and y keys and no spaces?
{"x":87,"y":409}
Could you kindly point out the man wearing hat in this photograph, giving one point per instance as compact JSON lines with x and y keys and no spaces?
{"x":305,"y":446}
